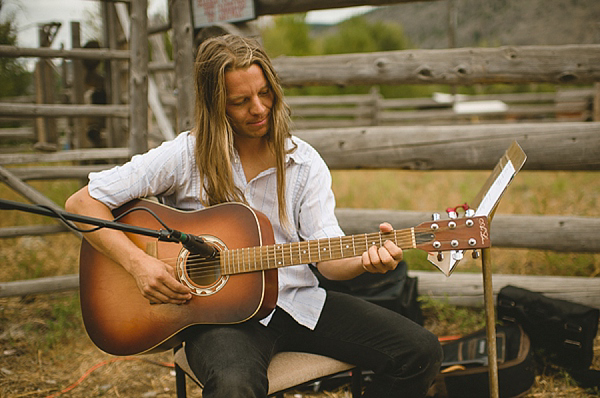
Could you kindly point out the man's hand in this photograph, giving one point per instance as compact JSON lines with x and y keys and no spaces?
{"x":157,"y":282}
{"x":383,"y":259}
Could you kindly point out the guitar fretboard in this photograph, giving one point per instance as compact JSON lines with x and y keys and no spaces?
{"x":260,"y":258}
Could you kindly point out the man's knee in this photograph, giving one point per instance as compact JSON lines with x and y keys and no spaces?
{"x":235,"y":383}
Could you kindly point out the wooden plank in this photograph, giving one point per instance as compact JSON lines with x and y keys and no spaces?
{"x":39,"y":286}
{"x":44,"y":52}
{"x":551,"y":146}
{"x":573,"y":64}
{"x":463,"y":289}
{"x":22,"y":133}
{"x":28,"y":192}
{"x":65,"y":156}
{"x":183,"y":53}
{"x":557,"y":233}
{"x":466,"y":289}
{"x":164,"y":124}
{"x":36,"y":230}
{"x":30,"y":110}
{"x":58,"y":172}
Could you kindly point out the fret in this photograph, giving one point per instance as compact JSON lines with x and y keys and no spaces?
{"x":380,"y":240}
{"x":414,"y":239}
{"x":267,"y":255}
{"x":225,"y":261}
{"x":341,"y":247}
{"x":300,"y":254}
{"x":319,"y":249}
{"x":260,"y":260}
{"x":310,"y":260}
{"x":254,"y":258}
{"x":353,"y":246}
{"x":306,"y":251}
{"x":282,"y":261}
{"x":329,"y":247}
{"x":291,"y":257}
{"x":228,"y":269}
{"x":366,"y":242}
{"x":395,"y":238}
{"x":243,"y":260}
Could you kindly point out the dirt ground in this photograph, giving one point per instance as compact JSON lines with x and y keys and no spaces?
{"x":45,"y":352}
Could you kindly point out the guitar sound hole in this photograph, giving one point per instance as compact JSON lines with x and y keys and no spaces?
{"x":203,"y":272}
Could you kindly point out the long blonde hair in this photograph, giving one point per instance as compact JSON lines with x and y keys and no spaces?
{"x":214,"y":134}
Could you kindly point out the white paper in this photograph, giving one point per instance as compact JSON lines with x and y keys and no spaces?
{"x":493,"y":194}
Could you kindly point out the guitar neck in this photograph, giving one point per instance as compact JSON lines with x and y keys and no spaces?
{"x":260,"y":258}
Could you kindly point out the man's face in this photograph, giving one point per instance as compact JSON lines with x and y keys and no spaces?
{"x":249,"y":101}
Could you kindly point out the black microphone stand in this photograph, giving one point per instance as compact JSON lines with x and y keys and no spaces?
{"x":194,"y":244}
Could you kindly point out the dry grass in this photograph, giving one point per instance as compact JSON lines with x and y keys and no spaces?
{"x":44,"y":348}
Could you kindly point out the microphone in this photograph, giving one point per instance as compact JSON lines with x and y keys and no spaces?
{"x":194,"y":244}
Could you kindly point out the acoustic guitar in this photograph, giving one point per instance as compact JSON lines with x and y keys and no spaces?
{"x":237,"y":283}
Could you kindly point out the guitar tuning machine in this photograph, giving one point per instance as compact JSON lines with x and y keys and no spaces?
{"x":475,"y":254}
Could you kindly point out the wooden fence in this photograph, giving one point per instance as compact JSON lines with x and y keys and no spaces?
{"x":372,"y":109}
{"x":383,"y":142}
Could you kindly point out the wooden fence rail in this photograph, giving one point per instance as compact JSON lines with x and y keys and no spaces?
{"x":573,"y":64}
{"x":464,"y":289}
{"x":556,"y":146}
{"x":310,"y":112}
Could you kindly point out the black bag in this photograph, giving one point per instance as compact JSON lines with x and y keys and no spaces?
{"x":394,"y":290}
{"x":465,"y":372}
{"x":563,"y":330}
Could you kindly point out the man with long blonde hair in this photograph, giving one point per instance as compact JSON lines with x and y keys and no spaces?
{"x":241,"y":149}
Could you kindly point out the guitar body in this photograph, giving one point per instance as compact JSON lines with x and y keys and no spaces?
{"x":120,"y":321}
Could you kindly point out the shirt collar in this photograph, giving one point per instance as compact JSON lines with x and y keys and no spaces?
{"x":296,"y":156}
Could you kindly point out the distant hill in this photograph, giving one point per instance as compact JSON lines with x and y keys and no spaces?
{"x":496,"y":22}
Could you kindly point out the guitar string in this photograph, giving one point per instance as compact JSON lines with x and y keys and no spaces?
{"x":198,"y":266}
{"x":307,"y":245}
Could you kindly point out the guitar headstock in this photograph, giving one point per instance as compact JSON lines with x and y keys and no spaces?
{"x":455,"y":234}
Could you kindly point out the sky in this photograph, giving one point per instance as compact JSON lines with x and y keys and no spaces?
{"x":30,"y":13}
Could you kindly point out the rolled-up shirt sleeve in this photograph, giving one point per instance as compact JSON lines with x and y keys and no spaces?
{"x":157,"y":172}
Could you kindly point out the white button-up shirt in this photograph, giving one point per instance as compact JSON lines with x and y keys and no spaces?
{"x":170,"y":172}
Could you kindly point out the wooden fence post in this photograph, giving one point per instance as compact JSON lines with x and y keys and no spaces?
{"x":183,"y":53}
{"x":596,"y":100}
{"x":79,"y":138}
{"x":138,"y":89}
{"x":44,"y":83}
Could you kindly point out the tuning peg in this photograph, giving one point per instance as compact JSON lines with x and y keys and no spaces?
{"x":440,"y":256}
{"x":435,"y":217}
{"x":475,"y":254}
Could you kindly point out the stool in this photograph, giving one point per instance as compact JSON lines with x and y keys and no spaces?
{"x":287,"y":370}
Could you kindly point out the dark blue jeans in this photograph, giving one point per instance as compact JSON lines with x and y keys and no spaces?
{"x":232,"y":360}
